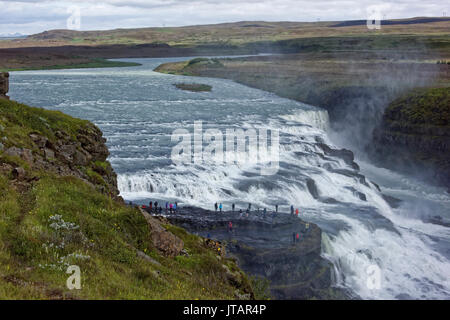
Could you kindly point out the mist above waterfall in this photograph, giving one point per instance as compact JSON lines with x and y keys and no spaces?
{"x":361,"y":106}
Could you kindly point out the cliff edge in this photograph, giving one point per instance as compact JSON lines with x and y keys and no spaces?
{"x":415,"y":134}
{"x":60,"y":207}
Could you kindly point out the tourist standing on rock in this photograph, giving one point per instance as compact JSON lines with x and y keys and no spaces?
{"x":249,"y":207}
{"x":230,"y":227}
{"x":265,"y":212}
{"x":167,"y":206}
{"x":160,"y":209}
{"x":220,"y":207}
{"x":215,"y":206}
{"x":293,"y":237}
{"x":276,"y":208}
{"x":296,"y":212}
{"x":240,"y":213}
{"x":292,"y":209}
{"x":232,"y":207}
{"x":175,"y":207}
{"x":156,"y":206}
{"x":171,"y":208}
{"x":150,"y":206}
{"x":297,"y":237}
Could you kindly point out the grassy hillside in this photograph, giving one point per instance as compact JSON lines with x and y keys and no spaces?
{"x":57,"y":211}
{"x":234,"y":33}
{"x":58,"y":48}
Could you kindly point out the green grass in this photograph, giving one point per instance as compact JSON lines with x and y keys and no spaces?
{"x":429,"y":107}
{"x":52,"y":222}
{"x":95,"y":63}
{"x":195,"y":87}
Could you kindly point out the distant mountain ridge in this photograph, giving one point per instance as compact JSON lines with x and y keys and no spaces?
{"x":222,"y":31}
{"x":12,"y":35}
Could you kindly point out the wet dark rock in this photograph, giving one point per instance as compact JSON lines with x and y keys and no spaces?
{"x":439,"y":221}
{"x":329,"y":200}
{"x":344,"y":154}
{"x":312,"y":188}
{"x":376,"y":186}
{"x":393,"y":202}
{"x":357,"y":193}
{"x":350,"y":173}
{"x":263,"y":246}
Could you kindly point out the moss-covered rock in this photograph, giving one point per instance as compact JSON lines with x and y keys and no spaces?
{"x":415,"y":133}
{"x":194,"y":87}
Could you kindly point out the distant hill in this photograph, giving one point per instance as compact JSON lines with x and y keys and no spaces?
{"x":390,"y":22}
{"x":239,"y":32}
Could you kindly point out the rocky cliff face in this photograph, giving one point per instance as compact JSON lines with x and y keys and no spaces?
{"x":4,"y":85}
{"x":415,"y":134}
{"x":263,"y":246}
{"x":33,"y":140}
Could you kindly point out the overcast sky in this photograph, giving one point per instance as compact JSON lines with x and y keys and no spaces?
{"x":33,"y":16}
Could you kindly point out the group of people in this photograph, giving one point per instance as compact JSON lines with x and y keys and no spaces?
{"x":219,"y":207}
{"x":153,"y":207}
{"x":296,"y":235}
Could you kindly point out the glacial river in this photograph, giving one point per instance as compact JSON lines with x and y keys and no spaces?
{"x":378,"y":252}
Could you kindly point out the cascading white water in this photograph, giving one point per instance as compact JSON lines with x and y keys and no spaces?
{"x":138,"y":110}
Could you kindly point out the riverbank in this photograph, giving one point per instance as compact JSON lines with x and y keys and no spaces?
{"x":68,"y":47}
{"x":76,"y":64}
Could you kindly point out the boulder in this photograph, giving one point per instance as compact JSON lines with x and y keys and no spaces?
{"x":4,"y":85}
{"x":39,"y":140}
{"x":49,"y":154}
{"x":19,"y":173}
{"x":344,"y":154}
{"x":25,"y":154}
{"x":164,"y":241}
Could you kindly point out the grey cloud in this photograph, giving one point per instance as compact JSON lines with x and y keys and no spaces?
{"x":32,"y":16}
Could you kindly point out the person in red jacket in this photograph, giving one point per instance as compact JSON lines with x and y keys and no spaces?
{"x":296,"y":212}
{"x":230,"y":226}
